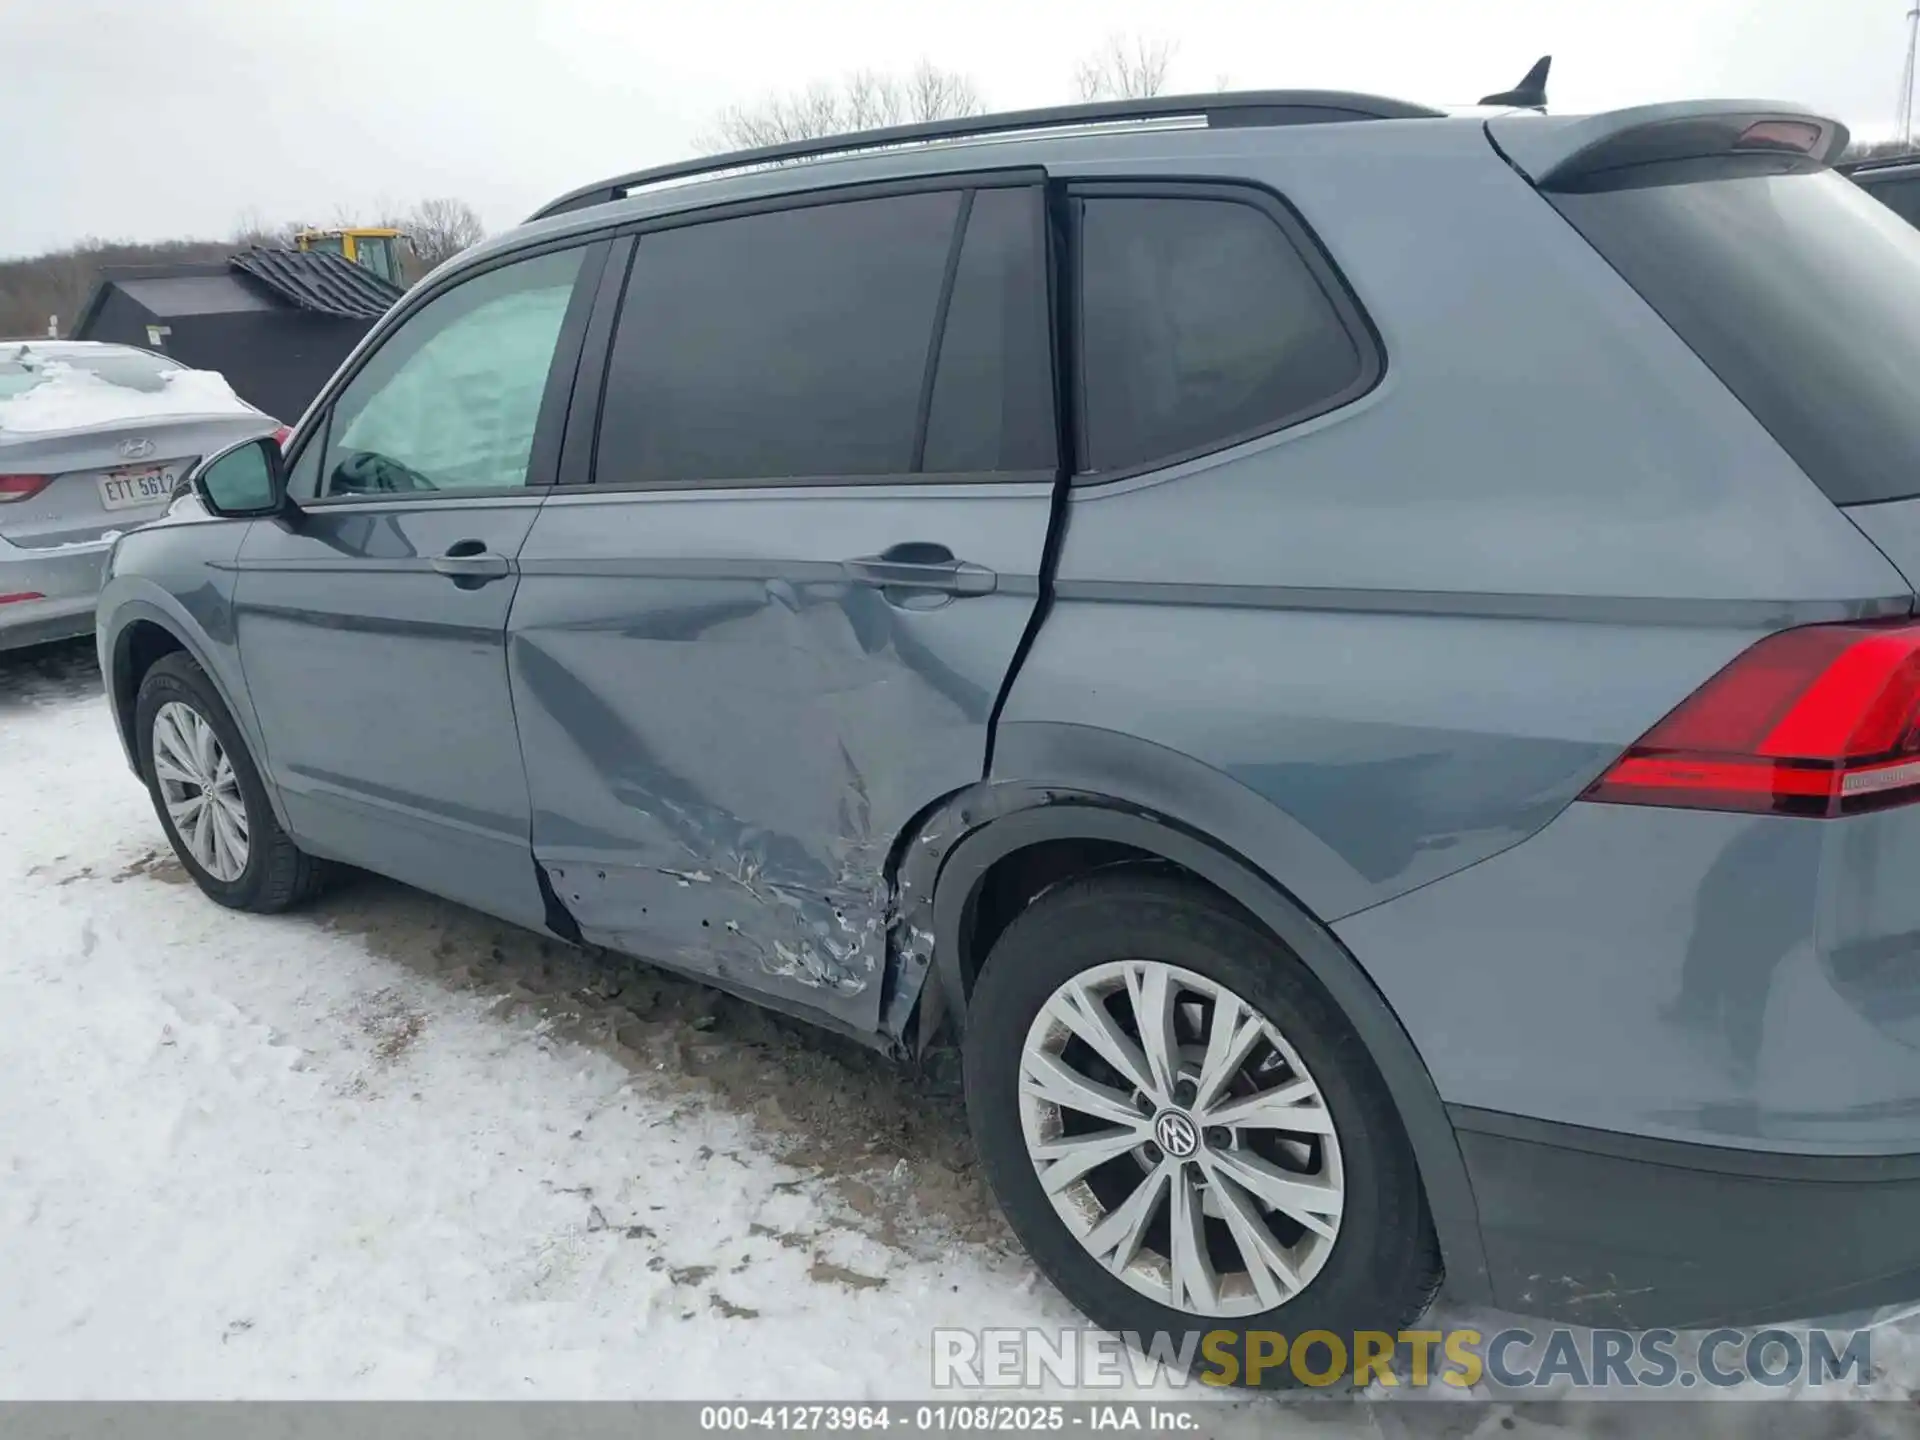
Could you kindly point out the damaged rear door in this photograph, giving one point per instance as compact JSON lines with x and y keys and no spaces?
{"x":766,"y":618}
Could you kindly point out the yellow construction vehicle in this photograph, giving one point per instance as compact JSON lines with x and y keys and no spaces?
{"x":376,"y":247}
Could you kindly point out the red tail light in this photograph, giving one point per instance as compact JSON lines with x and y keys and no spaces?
{"x":1821,"y":721}
{"x":21,"y":487}
{"x":19,"y":595}
{"x":281,"y":435}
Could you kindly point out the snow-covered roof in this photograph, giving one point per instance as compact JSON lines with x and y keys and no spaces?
{"x":71,"y":398}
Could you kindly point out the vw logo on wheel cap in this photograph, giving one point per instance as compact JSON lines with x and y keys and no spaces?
{"x":137,"y":448}
{"x":1176,"y":1134}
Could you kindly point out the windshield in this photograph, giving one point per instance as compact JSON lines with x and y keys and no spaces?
{"x":27,"y":369}
{"x":1802,"y":292}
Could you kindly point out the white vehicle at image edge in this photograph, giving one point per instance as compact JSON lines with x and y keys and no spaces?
{"x":93,"y":439}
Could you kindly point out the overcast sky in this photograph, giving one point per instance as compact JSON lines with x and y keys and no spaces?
{"x":151,"y":118}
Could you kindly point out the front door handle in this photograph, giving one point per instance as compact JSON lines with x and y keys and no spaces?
{"x":471,"y":560}
{"x":947,"y":576}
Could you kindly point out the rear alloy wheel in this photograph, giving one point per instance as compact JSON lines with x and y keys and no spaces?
{"x":1154,"y":1100}
{"x":209,"y":795}
{"x":1185,"y":1131}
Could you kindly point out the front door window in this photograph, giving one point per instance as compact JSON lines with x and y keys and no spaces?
{"x":451,"y":400}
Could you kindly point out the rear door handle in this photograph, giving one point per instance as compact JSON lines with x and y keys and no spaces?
{"x":949,"y":577}
{"x":471,"y":560}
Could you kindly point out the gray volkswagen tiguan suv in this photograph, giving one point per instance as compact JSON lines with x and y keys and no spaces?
{"x":1362,"y":660}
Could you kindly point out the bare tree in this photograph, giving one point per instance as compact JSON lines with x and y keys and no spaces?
{"x":387,"y":215}
{"x":253,"y":229}
{"x":930,"y":93}
{"x":1125,"y":69}
{"x":383,"y":214}
{"x":864,"y":100}
{"x":440,"y":229}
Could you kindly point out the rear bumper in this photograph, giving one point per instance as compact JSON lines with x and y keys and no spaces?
{"x":1599,"y":1228}
{"x":66,"y":579}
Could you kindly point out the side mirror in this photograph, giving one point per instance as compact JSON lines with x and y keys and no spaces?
{"x":245,"y":479}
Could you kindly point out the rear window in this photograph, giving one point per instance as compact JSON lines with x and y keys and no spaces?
{"x":1802,"y":293}
{"x":778,"y":346}
{"x":1201,"y":324}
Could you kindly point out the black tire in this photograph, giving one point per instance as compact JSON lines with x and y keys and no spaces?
{"x":278,"y":874}
{"x":1384,"y":1266}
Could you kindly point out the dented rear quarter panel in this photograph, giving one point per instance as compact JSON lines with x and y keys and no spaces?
{"x":1382,"y":646}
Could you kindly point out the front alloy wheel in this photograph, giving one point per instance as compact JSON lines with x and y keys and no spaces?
{"x":1180,"y":1138}
{"x":209,"y":795}
{"x":201,"y":790}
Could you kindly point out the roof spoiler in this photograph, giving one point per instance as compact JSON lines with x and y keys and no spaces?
{"x":1646,"y":142}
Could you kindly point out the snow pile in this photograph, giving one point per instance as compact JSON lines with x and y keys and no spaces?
{"x":71,"y":398}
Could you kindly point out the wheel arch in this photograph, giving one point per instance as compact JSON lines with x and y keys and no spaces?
{"x":141,"y":634}
{"x":134,"y":650}
{"x":1124,"y":833}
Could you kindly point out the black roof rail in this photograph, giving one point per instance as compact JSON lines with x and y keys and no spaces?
{"x":1878,"y":162}
{"x":1227,"y":108}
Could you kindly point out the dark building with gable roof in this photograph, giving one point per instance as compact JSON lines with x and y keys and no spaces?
{"x":276,"y":323}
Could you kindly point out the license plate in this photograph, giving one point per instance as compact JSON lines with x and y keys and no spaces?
{"x":125,"y":489}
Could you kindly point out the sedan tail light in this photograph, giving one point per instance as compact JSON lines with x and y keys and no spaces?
{"x":1820,"y":721}
{"x":22,"y":487}
{"x":282,"y":434}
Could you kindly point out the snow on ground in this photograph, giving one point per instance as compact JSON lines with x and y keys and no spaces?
{"x":391,"y":1148}
{"x":245,"y":1156}
{"x":70,"y":398}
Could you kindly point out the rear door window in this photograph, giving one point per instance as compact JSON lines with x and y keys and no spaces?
{"x":787,"y":345}
{"x":1901,"y":196}
{"x":1203,"y":322}
{"x":1802,"y":293}
{"x":991,"y":407}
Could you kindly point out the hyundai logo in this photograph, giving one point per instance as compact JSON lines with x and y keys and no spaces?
{"x":1176,"y":1134}
{"x":137,"y":448}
